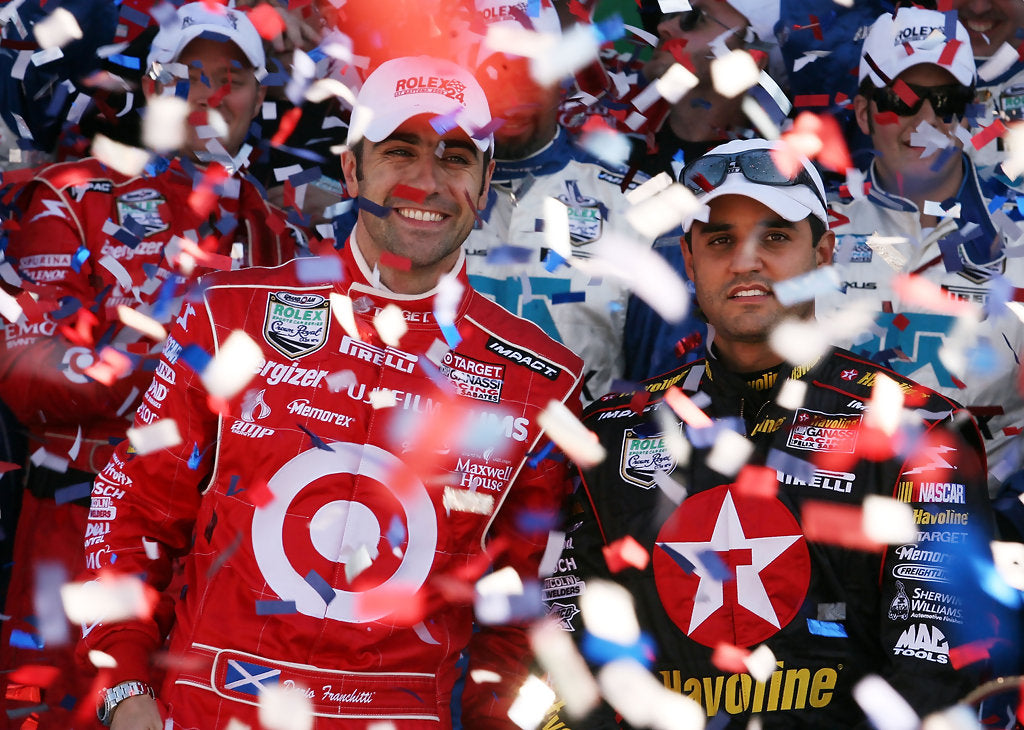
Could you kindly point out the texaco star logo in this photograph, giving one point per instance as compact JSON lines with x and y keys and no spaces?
{"x":848,"y":374}
{"x":750,"y":567}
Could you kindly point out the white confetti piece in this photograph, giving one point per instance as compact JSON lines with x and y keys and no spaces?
{"x":463,"y":500}
{"x":77,"y":446}
{"x":285,"y":708}
{"x":8,"y":274}
{"x":957,"y":717}
{"x":578,"y":442}
{"x":50,"y":621}
{"x":9,"y":308}
{"x":162,"y":434}
{"x":649,"y":38}
{"x":888,"y":521}
{"x":933,"y":207}
{"x":552,"y":553}
{"x":531,"y":703}
{"x":449,"y":295}
{"x":383,"y":398}
{"x":437,"y":350}
{"x":883,"y":705}
{"x":118,"y":271}
{"x":855,"y":182}
{"x":999,"y":62}
{"x":101,"y":660}
{"x":341,"y":379}
{"x":885,"y":408}
{"x":129,"y":161}
{"x":676,"y":444}
{"x":791,"y":394}
{"x":663,"y":212}
{"x":42,"y":457}
{"x":390,"y":324}
{"x":41,"y":58}
{"x":674,"y":6}
{"x":1009,"y":561}
{"x":57,"y":29}
{"x":644,"y":701}
{"x":485,"y":676}
{"x":734,"y":73}
{"x":675,"y":83}
{"x":141,"y":323}
{"x":324,"y":89}
{"x":729,"y":453}
{"x":108,"y":599}
{"x":1013,"y":142}
{"x":556,"y":227}
{"x":152,"y":549}
{"x":759,"y":118}
{"x":799,"y":341}
{"x":608,"y":612}
{"x":672,"y":489}
{"x":233,"y":366}
{"x":577,"y":47}
{"x":805,"y":287}
{"x":356,"y":562}
{"x":649,"y":189}
{"x":760,"y":663}
{"x":607,"y":145}
{"x":565,"y":667}
{"x":165,"y":124}
{"x":341,"y":307}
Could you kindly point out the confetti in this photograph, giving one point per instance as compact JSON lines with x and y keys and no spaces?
{"x":341,"y":307}
{"x":141,"y":323}
{"x":463,"y":500}
{"x":645,"y":271}
{"x":837,"y":524}
{"x":165,"y":124}
{"x":608,"y":612}
{"x":686,"y":409}
{"x":664,"y":211}
{"x":383,"y":398}
{"x":531,"y":703}
{"x":1009,"y":561}
{"x":760,"y":663}
{"x":285,"y":708}
{"x":110,"y":598}
{"x":234,"y":365}
{"x":731,"y":659}
{"x":73,"y":492}
{"x":577,"y":48}
{"x":644,"y":701}
{"x":883,"y":705}
{"x":390,"y":324}
{"x":807,"y":286}
{"x":42,"y":457}
{"x":625,"y":553}
{"x":558,"y":657}
{"x":800,"y":341}
{"x":826,"y":628}
{"x":734,"y":73}
{"x":129,"y":161}
{"x":57,"y":29}
{"x":162,"y":434}
{"x":887,"y":520}
{"x":576,"y":440}
{"x":556,"y":227}
{"x":729,"y":453}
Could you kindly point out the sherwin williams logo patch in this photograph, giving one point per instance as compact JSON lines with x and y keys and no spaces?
{"x":296,"y":324}
{"x":451,"y":88}
{"x":814,"y":431}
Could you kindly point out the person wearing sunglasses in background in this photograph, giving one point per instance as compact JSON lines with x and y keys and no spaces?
{"x":734,"y":561}
{"x":926,"y":215}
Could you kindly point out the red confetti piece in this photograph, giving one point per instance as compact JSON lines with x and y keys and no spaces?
{"x":989,"y":133}
{"x":639,"y":400}
{"x":905,"y":93}
{"x":259,"y":494}
{"x":217,"y":96}
{"x":815,"y":27}
{"x":760,"y":482}
{"x":702,"y":181}
{"x":401,"y":605}
{"x":111,"y":366}
{"x":81,"y":333}
{"x":625,"y":553}
{"x":33,"y":310}
{"x":686,"y":409}
{"x":6,"y":466}
{"x":806,"y":100}
{"x":900,"y":322}
{"x":1013,"y":430}
{"x":394,"y":261}
{"x":218,"y":405}
{"x":408,"y":192}
{"x":949,"y":52}
{"x":34,"y":674}
{"x":972,"y":653}
{"x":841,"y":98}
{"x":887,"y":118}
{"x":874,"y":444}
{"x":580,"y":11}
{"x":836,"y":524}
{"x":288,"y":121}
{"x":729,"y":658}
{"x":269,"y":23}
{"x":675,"y":48}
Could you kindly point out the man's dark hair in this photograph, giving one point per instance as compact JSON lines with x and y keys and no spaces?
{"x":357,"y":150}
{"x":817,"y":231}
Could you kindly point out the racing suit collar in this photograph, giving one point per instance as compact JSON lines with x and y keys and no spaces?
{"x":548,"y":159}
{"x":360,"y":281}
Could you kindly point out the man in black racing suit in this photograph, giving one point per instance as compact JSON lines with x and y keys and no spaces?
{"x":774,"y":553}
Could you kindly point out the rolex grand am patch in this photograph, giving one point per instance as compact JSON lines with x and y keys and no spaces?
{"x":142,"y":207}
{"x":642,"y":457}
{"x":296,"y":324}
{"x":585,"y":217}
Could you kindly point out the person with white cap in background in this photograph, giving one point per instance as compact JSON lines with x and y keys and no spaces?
{"x":91,"y":243}
{"x":537,"y":159}
{"x":380,"y":452}
{"x":751,"y":605}
{"x":926,"y":216}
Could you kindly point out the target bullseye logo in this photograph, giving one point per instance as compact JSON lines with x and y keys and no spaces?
{"x":731,"y":568}
{"x":338,"y":528}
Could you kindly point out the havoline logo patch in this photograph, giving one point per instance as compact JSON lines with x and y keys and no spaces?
{"x":296,"y":324}
{"x":642,"y":457}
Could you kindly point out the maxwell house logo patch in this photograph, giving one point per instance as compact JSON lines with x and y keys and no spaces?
{"x":642,"y":457}
{"x":814,"y":431}
{"x":296,"y":324}
{"x":451,"y":88}
{"x":474,"y":378}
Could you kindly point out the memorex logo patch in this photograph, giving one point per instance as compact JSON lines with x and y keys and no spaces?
{"x":923,"y":641}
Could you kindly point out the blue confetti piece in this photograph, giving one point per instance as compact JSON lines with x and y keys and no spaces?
{"x":195,"y":357}
{"x":314,"y":439}
{"x":451,"y":335}
{"x":943,"y":157}
{"x":611,"y":28}
{"x":73,"y":492}
{"x":127,"y":61}
{"x":506,"y":254}
{"x":679,"y":157}
{"x":68,"y":307}
{"x":951,"y":23}
{"x":24,"y":640}
{"x":567,"y":297}
{"x":537,"y":458}
{"x":677,"y":557}
{"x":181,"y":89}
{"x":226,"y":224}
{"x":193,"y":460}
{"x":1020,"y":204}
{"x":601,"y":651}
{"x":319,"y":270}
{"x":322,"y":587}
{"x":444,"y":123}
{"x":123,"y":236}
{"x":826,"y":628}
{"x":79,"y":258}
{"x":438,"y":378}
{"x":275,"y":608}
{"x":68,"y":702}
{"x":396,"y":533}
{"x":311,"y":174}
{"x":951,"y":255}
{"x":537,"y":521}
{"x":132,"y":15}
{"x":791,"y":465}
{"x":488,"y":129}
{"x":996,"y":203}
{"x":715,"y":566}
{"x":554,"y":261}
{"x":233,"y":486}
{"x":381,"y":211}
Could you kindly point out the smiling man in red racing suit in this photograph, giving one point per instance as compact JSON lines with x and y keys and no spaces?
{"x":739,"y":559}
{"x":344,"y":502}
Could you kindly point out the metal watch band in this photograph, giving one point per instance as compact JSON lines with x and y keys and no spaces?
{"x":113,"y":696}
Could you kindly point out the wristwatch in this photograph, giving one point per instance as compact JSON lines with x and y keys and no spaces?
{"x":113,"y":696}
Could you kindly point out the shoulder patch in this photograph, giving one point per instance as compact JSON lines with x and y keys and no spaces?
{"x":523,"y":357}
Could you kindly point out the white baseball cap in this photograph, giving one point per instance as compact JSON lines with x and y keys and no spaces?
{"x":403,"y":88}
{"x":794,"y":198}
{"x":913,"y":37}
{"x":762,"y":15}
{"x":199,"y":19}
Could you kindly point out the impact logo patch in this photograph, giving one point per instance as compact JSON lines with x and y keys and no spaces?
{"x":296,"y":324}
{"x":815,"y":431}
{"x":731,"y":568}
{"x":642,"y":457}
{"x":140,"y":209}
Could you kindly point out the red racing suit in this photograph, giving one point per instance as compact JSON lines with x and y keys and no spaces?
{"x":89,"y":240}
{"x":341,"y":506}
{"x":738,"y":561}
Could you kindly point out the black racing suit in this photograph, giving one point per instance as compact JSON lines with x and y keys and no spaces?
{"x":730,"y":564}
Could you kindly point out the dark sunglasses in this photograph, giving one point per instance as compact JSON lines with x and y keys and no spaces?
{"x":947,"y":101}
{"x":708,"y":172}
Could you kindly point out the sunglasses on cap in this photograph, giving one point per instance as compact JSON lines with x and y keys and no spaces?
{"x":947,"y":101}
{"x":708,"y":172}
